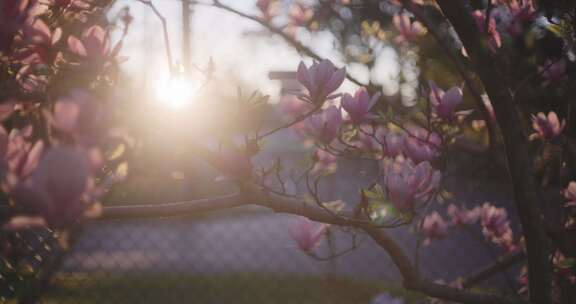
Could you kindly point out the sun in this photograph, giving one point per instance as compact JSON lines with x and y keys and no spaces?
{"x":176,"y":93}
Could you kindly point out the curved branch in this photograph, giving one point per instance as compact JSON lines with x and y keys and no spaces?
{"x":164,"y":29}
{"x":254,"y":195}
{"x":498,"y":266}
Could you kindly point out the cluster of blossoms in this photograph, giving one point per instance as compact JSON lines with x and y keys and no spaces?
{"x":494,"y":222}
{"x":405,"y":153}
{"x":53,"y":174}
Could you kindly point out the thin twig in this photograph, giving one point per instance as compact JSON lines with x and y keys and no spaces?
{"x":165,"y":31}
{"x":278,"y":31}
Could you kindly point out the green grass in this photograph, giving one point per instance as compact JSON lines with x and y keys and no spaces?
{"x":215,"y":289}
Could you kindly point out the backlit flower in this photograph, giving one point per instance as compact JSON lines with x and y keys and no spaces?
{"x":443,"y":103}
{"x":321,"y":80}
{"x":306,"y":233}
{"x":408,"y":184}
{"x":359,"y":105}
{"x":547,"y":127}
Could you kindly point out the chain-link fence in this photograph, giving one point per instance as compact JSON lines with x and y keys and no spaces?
{"x":241,"y":255}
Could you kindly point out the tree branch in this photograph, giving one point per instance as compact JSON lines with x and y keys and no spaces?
{"x":416,"y":10}
{"x":254,"y":195}
{"x":502,"y":263}
{"x":526,"y":195}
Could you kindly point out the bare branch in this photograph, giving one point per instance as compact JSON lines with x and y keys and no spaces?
{"x":502,"y":263}
{"x":164,"y":28}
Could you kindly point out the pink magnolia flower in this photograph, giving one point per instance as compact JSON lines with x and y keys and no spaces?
{"x":392,"y":142}
{"x":421,"y":145}
{"x":570,"y":194}
{"x":269,"y":8}
{"x":494,"y":221}
{"x":19,"y":156}
{"x":434,"y":227}
{"x":38,"y":40}
{"x":325,"y":125}
{"x":28,"y":81}
{"x":547,"y":127}
{"x":35,"y":31}
{"x":80,"y":115}
{"x":13,"y":13}
{"x":444,"y":103}
{"x":324,"y":162}
{"x":491,"y":31}
{"x":56,"y":188}
{"x":408,"y":30}
{"x":359,"y":105}
{"x":321,"y":80}
{"x":462,"y":216}
{"x":553,"y":72}
{"x":307,"y":234}
{"x":496,"y":227}
{"x":407,"y":183}
{"x":94,"y":44}
{"x":300,"y":15}
{"x":521,"y":13}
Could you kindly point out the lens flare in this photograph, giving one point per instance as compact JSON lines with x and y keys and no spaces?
{"x":176,"y":93}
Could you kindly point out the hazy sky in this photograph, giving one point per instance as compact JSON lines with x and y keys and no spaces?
{"x":236,"y":46}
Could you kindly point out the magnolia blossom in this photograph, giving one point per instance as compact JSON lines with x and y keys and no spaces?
{"x":434,"y":227}
{"x":553,"y":72}
{"x":570,"y":194}
{"x":325,"y":125}
{"x":29,"y":81}
{"x":462,"y":216}
{"x":80,"y":115}
{"x":392,"y":142}
{"x":407,"y":29}
{"x":494,"y":220}
{"x":38,"y":40}
{"x":321,"y":80}
{"x":94,"y":44}
{"x":491,"y":30}
{"x":421,"y":145}
{"x":407,"y":183}
{"x":13,"y":14}
{"x":547,"y":127}
{"x":444,"y":103}
{"x":269,"y":8}
{"x":307,"y":234}
{"x":521,"y":13}
{"x":496,"y":226}
{"x":300,"y":15}
{"x":19,"y":157}
{"x":359,"y":105}
{"x":58,"y":186}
